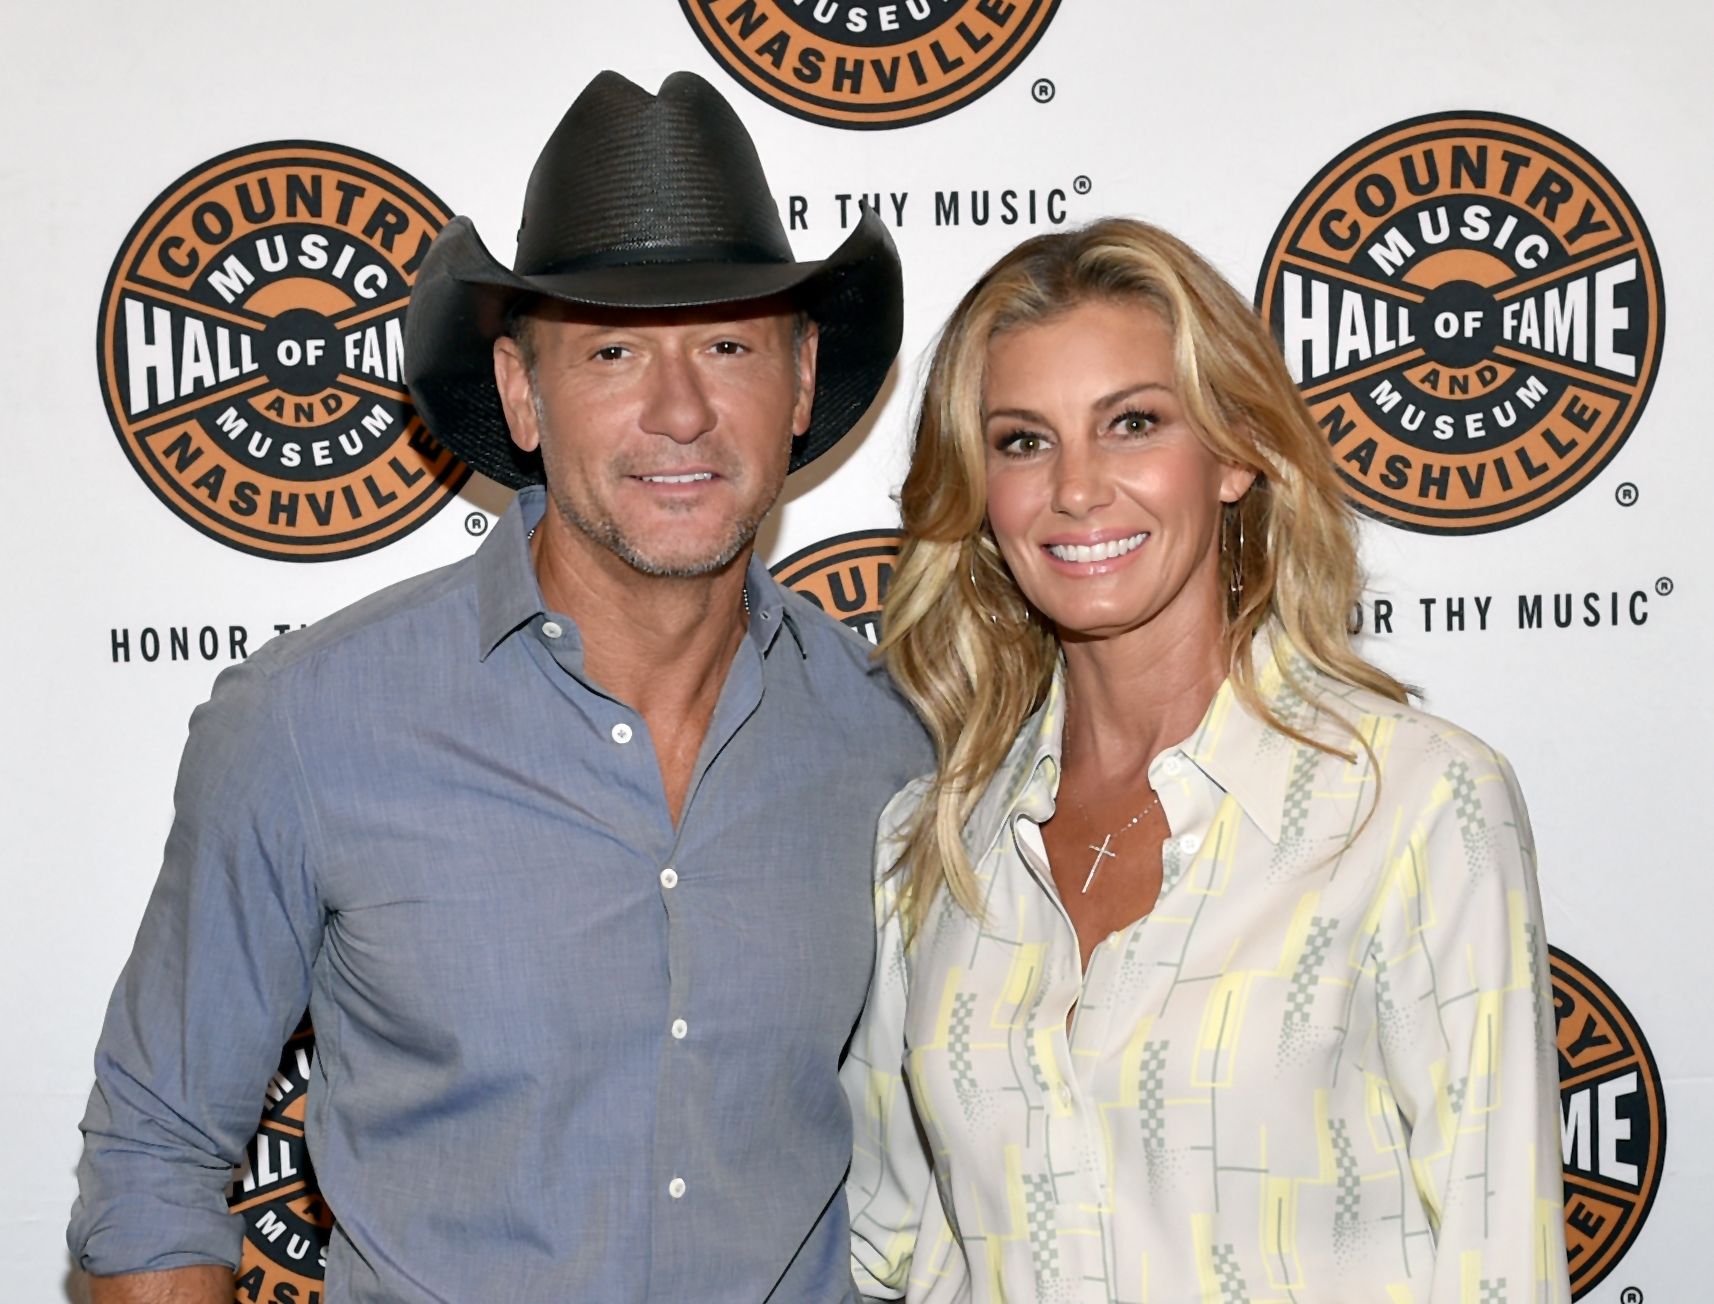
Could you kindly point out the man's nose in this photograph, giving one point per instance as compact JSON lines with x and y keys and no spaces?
{"x":676,"y":402}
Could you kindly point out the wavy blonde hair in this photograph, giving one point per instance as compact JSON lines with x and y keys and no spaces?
{"x":960,"y":639}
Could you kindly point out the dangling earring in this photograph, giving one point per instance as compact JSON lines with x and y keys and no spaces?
{"x":982,"y":602}
{"x":975,"y":588}
{"x":1235,"y":559}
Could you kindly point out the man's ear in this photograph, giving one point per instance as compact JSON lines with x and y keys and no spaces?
{"x":517,"y":394}
{"x":805,"y":363}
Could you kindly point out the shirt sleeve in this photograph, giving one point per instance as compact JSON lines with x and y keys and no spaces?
{"x":891,"y":1178}
{"x":1468,"y":1037}
{"x":217,"y":979}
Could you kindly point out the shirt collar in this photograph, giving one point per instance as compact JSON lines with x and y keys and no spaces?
{"x":769,"y":609}
{"x":507,"y":594}
{"x":1027,"y":779}
{"x":510,"y":597}
{"x":1239,"y":751}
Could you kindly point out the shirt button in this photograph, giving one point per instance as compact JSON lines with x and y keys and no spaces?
{"x":1065,"y":1095}
{"x":552,"y":629}
{"x":675,"y":1188}
{"x":1189,"y":844}
{"x":621,"y":732}
{"x":681,"y":1029}
{"x":669,"y":878}
{"x":1171,"y":766}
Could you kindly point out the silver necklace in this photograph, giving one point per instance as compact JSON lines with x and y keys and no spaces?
{"x":1102,"y":852}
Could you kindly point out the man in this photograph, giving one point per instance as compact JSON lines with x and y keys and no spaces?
{"x":565,"y":845}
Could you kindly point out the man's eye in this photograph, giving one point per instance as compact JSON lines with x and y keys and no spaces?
{"x":728,"y":347}
{"x":612,"y":353}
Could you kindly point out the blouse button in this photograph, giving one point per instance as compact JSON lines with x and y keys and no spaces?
{"x":1189,"y":844}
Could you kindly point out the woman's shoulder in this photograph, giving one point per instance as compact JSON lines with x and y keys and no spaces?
{"x":1407,"y":741}
{"x":902,"y":807}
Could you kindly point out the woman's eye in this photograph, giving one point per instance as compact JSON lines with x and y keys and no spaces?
{"x":1020,"y":443}
{"x":1134,"y":423}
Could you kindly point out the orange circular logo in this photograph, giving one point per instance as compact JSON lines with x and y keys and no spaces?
{"x":286,"y":1223}
{"x":1613,"y":1121}
{"x":1473,"y":310}
{"x":846,"y":576}
{"x":869,"y":63}
{"x":251,"y":352}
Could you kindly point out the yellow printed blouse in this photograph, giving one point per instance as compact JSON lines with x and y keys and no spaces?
{"x":1321,"y":1071}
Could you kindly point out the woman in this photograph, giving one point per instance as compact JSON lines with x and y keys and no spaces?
{"x":1209,"y":969}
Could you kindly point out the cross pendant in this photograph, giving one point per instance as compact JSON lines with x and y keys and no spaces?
{"x":1095,"y":865}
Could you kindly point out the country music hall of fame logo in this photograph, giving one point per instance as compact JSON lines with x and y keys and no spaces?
{"x":846,"y":576}
{"x":1612,"y":1122}
{"x":869,"y":63}
{"x":274,"y":1192}
{"x":1473,"y":309}
{"x":251,"y":348}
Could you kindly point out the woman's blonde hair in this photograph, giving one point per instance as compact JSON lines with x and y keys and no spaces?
{"x":963,"y":643}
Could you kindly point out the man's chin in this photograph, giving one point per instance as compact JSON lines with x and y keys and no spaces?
{"x":676,"y":550}
{"x":680,"y":560}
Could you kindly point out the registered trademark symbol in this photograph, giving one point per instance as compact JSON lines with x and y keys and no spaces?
{"x":1082,"y":185}
{"x":1042,"y":91}
{"x":1626,"y":494}
{"x":476,"y":523}
{"x":1663,"y":586}
{"x":1631,"y":1295}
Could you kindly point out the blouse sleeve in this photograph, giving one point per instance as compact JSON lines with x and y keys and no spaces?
{"x":891,"y":1179}
{"x":1468,"y":1036}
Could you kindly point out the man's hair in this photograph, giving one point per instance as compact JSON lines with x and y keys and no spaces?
{"x":964,"y":644}
{"x":520,"y":324}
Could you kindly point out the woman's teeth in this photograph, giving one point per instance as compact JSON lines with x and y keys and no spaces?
{"x":1096,"y":551}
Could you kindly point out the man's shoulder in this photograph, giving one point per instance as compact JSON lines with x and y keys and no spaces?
{"x":441,"y":601}
{"x":849,"y":677}
{"x":840,"y":652}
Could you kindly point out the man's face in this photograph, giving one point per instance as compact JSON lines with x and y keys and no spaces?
{"x":665,"y":435}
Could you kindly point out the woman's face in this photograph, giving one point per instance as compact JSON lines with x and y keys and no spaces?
{"x":1105,"y":504}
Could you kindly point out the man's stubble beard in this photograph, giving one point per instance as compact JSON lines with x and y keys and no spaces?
{"x":607,"y":534}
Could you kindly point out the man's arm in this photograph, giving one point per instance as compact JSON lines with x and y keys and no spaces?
{"x":203,"y":1284}
{"x":215,"y":983}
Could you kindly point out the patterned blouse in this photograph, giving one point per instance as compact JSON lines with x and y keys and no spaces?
{"x":1321,"y":1071}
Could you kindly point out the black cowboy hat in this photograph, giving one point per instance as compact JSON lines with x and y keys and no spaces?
{"x":644,"y":201}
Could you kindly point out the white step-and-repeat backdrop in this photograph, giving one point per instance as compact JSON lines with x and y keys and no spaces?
{"x":1465,"y":220}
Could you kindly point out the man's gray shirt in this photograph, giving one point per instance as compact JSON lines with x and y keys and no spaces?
{"x":564,"y":1051}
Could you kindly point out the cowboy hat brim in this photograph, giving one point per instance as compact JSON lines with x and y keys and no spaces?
{"x":463,"y":293}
